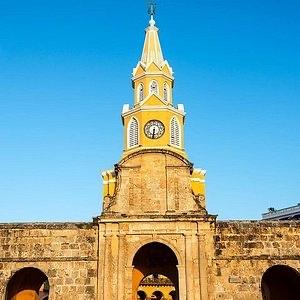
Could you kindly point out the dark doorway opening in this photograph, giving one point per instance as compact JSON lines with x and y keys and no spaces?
{"x":141,"y":295}
{"x":158,"y":295}
{"x":281,"y":283}
{"x":157,"y":262}
{"x":28,"y":284}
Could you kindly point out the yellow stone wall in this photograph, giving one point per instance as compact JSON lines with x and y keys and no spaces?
{"x":66,"y":252}
{"x":243,"y":251}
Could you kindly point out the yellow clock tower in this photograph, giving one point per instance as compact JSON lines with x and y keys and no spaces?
{"x":153,"y":121}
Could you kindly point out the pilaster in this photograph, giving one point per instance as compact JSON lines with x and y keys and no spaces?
{"x":189,"y":267}
{"x":121,"y":269}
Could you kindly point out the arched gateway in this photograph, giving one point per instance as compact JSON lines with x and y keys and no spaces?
{"x":28,"y":284}
{"x":281,"y":282}
{"x":156,"y":263}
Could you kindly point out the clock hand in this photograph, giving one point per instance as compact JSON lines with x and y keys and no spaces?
{"x":153,"y":133}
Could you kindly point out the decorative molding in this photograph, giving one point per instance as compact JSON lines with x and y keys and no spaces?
{"x":163,"y":151}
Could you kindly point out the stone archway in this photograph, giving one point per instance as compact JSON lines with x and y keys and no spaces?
{"x":280,"y":282}
{"x":152,"y":259}
{"x":28,"y":284}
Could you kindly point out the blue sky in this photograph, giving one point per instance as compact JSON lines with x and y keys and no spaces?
{"x":65,"y":70}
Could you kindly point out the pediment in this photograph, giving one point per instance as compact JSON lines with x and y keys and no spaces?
{"x":167,"y":69}
{"x":153,"y":100}
{"x":138,"y":70}
{"x":153,"y":68}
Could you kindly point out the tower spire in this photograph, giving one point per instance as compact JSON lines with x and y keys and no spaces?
{"x":152,"y":51}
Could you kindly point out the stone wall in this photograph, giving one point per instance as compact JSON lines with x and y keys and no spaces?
{"x":245,"y":250}
{"x":216,"y":260}
{"x":152,"y":182}
{"x":66,"y":252}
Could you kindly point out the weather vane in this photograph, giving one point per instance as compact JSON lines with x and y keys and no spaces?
{"x":151,"y":8}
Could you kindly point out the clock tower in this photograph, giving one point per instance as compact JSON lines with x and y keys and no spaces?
{"x":154,"y":219}
{"x":153,"y":122}
{"x":154,"y":174}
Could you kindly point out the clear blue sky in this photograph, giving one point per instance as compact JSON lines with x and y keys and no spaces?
{"x":65,"y":71}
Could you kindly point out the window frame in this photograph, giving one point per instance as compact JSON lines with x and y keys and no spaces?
{"x":132,"y":133}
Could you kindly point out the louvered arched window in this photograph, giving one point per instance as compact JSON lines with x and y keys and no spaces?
{"x":175,"y":132}
{"x":153,"y":87}
{"x":141,"y":93}
{"x":133,"y":133}
{"x":166,"y":91}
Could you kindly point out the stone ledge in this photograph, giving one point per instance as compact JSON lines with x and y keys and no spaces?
{"x":259,"y":257}
{"x":47,"y":259}
{"x":253,"y":223}
{"x":48,"y":225}
{"x":116,"y":217}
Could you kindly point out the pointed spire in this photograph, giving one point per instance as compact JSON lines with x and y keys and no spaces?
{"x":152,"y":51}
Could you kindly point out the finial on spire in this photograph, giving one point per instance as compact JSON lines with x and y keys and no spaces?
{"x":151,"y":12}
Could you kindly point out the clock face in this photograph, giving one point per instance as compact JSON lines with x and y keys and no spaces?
{"x":154,"y":129}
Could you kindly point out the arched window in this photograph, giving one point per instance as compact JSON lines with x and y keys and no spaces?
{"x":175,"y":132}
{"x":166,"y":92}
{"x":133,"y":133}
{"x":142,"y":295}
{"x":153,"y":87}
{"x":158,"y":295}
{"x":141,"y":93}
{"x":173,"y":295}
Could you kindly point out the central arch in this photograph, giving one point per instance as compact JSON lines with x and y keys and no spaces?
{"x":154,"y":259}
